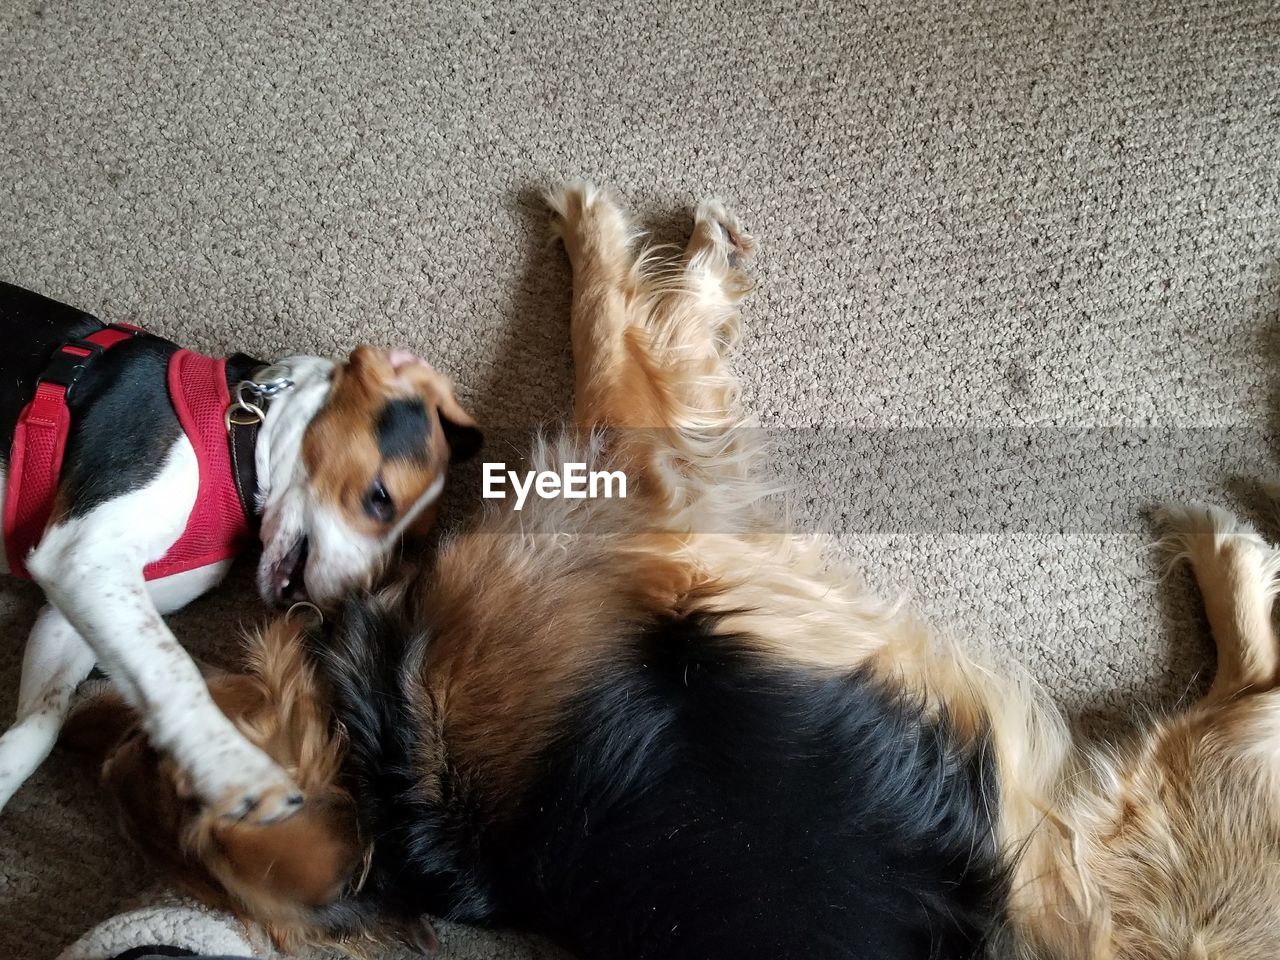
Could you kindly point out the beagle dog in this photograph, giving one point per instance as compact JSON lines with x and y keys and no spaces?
{"x":659,"y":729}
{"x":131,"y":471}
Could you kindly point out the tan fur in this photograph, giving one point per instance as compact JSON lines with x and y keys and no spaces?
{"x":1163,"y":848}
{"x":509,"y":645}
{"x":1159,"y":850}
{"x":1166,"y":846}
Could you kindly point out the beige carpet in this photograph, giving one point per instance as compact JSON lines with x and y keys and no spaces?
{"x":987,"y":215}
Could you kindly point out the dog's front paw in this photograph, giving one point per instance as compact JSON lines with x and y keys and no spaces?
{"x":260,"y":803}
{"x":246,"y":785}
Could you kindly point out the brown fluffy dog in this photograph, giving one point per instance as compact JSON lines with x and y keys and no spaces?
{"x":653,"y":727}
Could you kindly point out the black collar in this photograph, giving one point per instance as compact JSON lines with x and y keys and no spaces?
{"x":242,"y":438}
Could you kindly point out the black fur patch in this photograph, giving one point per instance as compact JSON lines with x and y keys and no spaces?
{"x":32,"y":327}
{"x":404,"y":429}
{"x":464,"y":440}
{"x":240,"y":366}
{"x":122,"y":422}
{"x":369,"y":655}
{"x":699,"y":802}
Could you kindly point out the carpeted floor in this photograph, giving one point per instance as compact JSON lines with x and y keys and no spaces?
{"x":1010,"y":217}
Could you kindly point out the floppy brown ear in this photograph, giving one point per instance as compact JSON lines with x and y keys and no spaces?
{"x":461,"y":431}
{"x":307,"y":859}
{"x":270,"y":873}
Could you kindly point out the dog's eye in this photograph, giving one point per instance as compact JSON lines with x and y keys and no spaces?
{"x":378,"y":503}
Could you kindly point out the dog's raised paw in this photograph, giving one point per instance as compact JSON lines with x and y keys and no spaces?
{"x":723,"y":230}
{"x":589,"y":222}
{"x":1209,"y":536}
{"x":1182,"y":524}
{"x":570,"y":199}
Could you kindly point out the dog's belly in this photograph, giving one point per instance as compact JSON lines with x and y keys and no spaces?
{"x":167,"y":593}
{"x":175,"y":592}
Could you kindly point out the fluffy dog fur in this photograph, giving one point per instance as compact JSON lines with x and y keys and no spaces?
{"x":654,"y":728}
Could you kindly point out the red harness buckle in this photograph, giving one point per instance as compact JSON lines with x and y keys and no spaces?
{"x":74,"y":357}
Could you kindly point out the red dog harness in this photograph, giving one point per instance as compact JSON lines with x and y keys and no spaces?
{"x":217,"y":528}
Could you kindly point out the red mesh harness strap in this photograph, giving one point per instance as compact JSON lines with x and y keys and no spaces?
{"x":217,"y":528}
{"x":39,"y":440}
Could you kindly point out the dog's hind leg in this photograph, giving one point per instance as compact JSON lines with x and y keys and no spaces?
{"x":645,"y":336}
{"x":648,"y":341}
{"x":695,"y":321}
{"x":1237,"y":574}
{"x":598,"y":239}
{"x":55,"y":662}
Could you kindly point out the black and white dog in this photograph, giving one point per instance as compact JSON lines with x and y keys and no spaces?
{"x":132,"y":470}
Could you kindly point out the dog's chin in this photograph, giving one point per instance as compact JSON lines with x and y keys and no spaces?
{"x":283,"y":581}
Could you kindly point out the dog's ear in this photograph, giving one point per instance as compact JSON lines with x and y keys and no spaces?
{"x":461,"y":431}
{"x":376,"y":369}
{"x":153,"y":800}
{"x":307,"y":859}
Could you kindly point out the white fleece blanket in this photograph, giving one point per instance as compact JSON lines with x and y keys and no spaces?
{"x":169,"y":921}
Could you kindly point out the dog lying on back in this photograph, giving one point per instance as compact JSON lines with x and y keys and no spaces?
{"x":130,"y":473}
{"x":653,"y":728}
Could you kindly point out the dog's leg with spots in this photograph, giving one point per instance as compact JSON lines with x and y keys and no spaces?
{"x":54,"y":663}
{"x":1237,"y":572}
{"x":90,"y":566}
